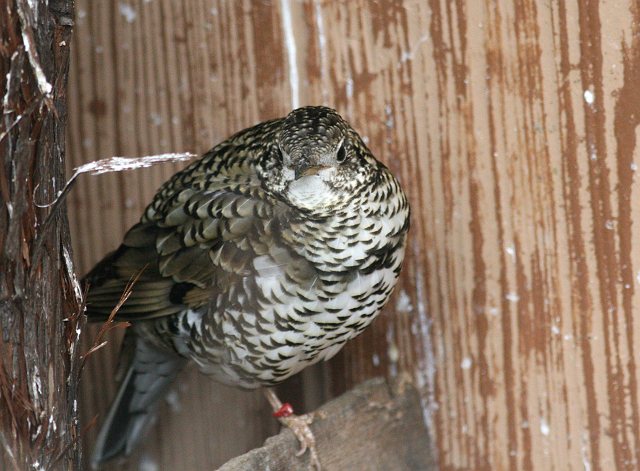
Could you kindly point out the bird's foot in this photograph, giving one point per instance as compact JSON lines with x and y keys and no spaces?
{"x":299,"y":425}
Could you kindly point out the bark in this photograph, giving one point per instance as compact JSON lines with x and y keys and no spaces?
{"x":39,"y":296}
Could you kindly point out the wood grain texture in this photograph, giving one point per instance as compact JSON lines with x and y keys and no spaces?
{"x":512,"y":126}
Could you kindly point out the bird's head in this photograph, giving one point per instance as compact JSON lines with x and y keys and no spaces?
{"x":321,"y":161}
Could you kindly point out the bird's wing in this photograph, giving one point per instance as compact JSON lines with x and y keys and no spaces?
{"x":196,"y":244}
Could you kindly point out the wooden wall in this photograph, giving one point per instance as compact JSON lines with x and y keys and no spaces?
{"x":511,"y":124}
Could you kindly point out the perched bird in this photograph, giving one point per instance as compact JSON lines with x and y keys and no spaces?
{"x":259,"y":259}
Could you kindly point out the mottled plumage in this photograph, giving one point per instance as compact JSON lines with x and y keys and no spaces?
{"x":259,"y":259}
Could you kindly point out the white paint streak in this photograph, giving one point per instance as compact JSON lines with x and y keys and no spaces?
{"x":36,"y":386}
{"x":584,"y":451}
{"x":5,"y":99}
{"x":427,"y":365}
{"x":349,"y":88}
{"x":30,"y":48}
{"x":290,"y":46}
{"x":322,"y":47}
{"x":33,"y":5}
{"x":68,"y":262}
{"x":43,"y":84}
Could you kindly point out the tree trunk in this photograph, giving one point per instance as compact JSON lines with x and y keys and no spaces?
{"x":39,"y":296}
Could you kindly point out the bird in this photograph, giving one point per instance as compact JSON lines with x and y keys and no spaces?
{"x":264,"y":256}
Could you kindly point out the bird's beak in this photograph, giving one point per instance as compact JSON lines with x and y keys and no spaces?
{"x":304,"y":171}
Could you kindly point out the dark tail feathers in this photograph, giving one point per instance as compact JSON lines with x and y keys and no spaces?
{"x":147,"y":379}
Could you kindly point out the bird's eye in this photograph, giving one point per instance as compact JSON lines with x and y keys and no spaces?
{"x":341,"y":156}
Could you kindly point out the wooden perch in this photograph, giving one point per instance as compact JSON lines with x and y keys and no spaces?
{"x":375,"y":426}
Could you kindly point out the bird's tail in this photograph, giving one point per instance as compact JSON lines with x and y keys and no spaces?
{"x":146,"y":380}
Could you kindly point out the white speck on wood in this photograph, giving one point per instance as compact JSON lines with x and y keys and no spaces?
{"x":403,"y":304}
{"x":408,"y":55}
{"x":511,"y":250}
{"x":52,"y":423}
{"x":128,"y":12}
{"x":147,"y":463}
{"x":392,"y":352}
{"x":290,"y":46}
{"x":349,"y":87}
{"x":156,"y":119}
{"x":544,"y":427}
{"x":513,"y":297}
{"x":388,"y":111}
{"x":589,"y":97}
{"x":173,"y":399}
{"x":466,"y":363}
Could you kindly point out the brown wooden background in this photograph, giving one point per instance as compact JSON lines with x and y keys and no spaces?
{"x":512,"y":125}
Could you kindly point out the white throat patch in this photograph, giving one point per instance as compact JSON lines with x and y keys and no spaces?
{"x":311,"y":191}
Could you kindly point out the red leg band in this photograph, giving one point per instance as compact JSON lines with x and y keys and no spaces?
{"x":285,"y":411}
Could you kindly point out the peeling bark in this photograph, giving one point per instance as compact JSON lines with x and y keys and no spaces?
{"x":40,"y":299}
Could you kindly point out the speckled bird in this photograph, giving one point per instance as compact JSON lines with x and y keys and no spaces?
{"x":259,"y":259}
